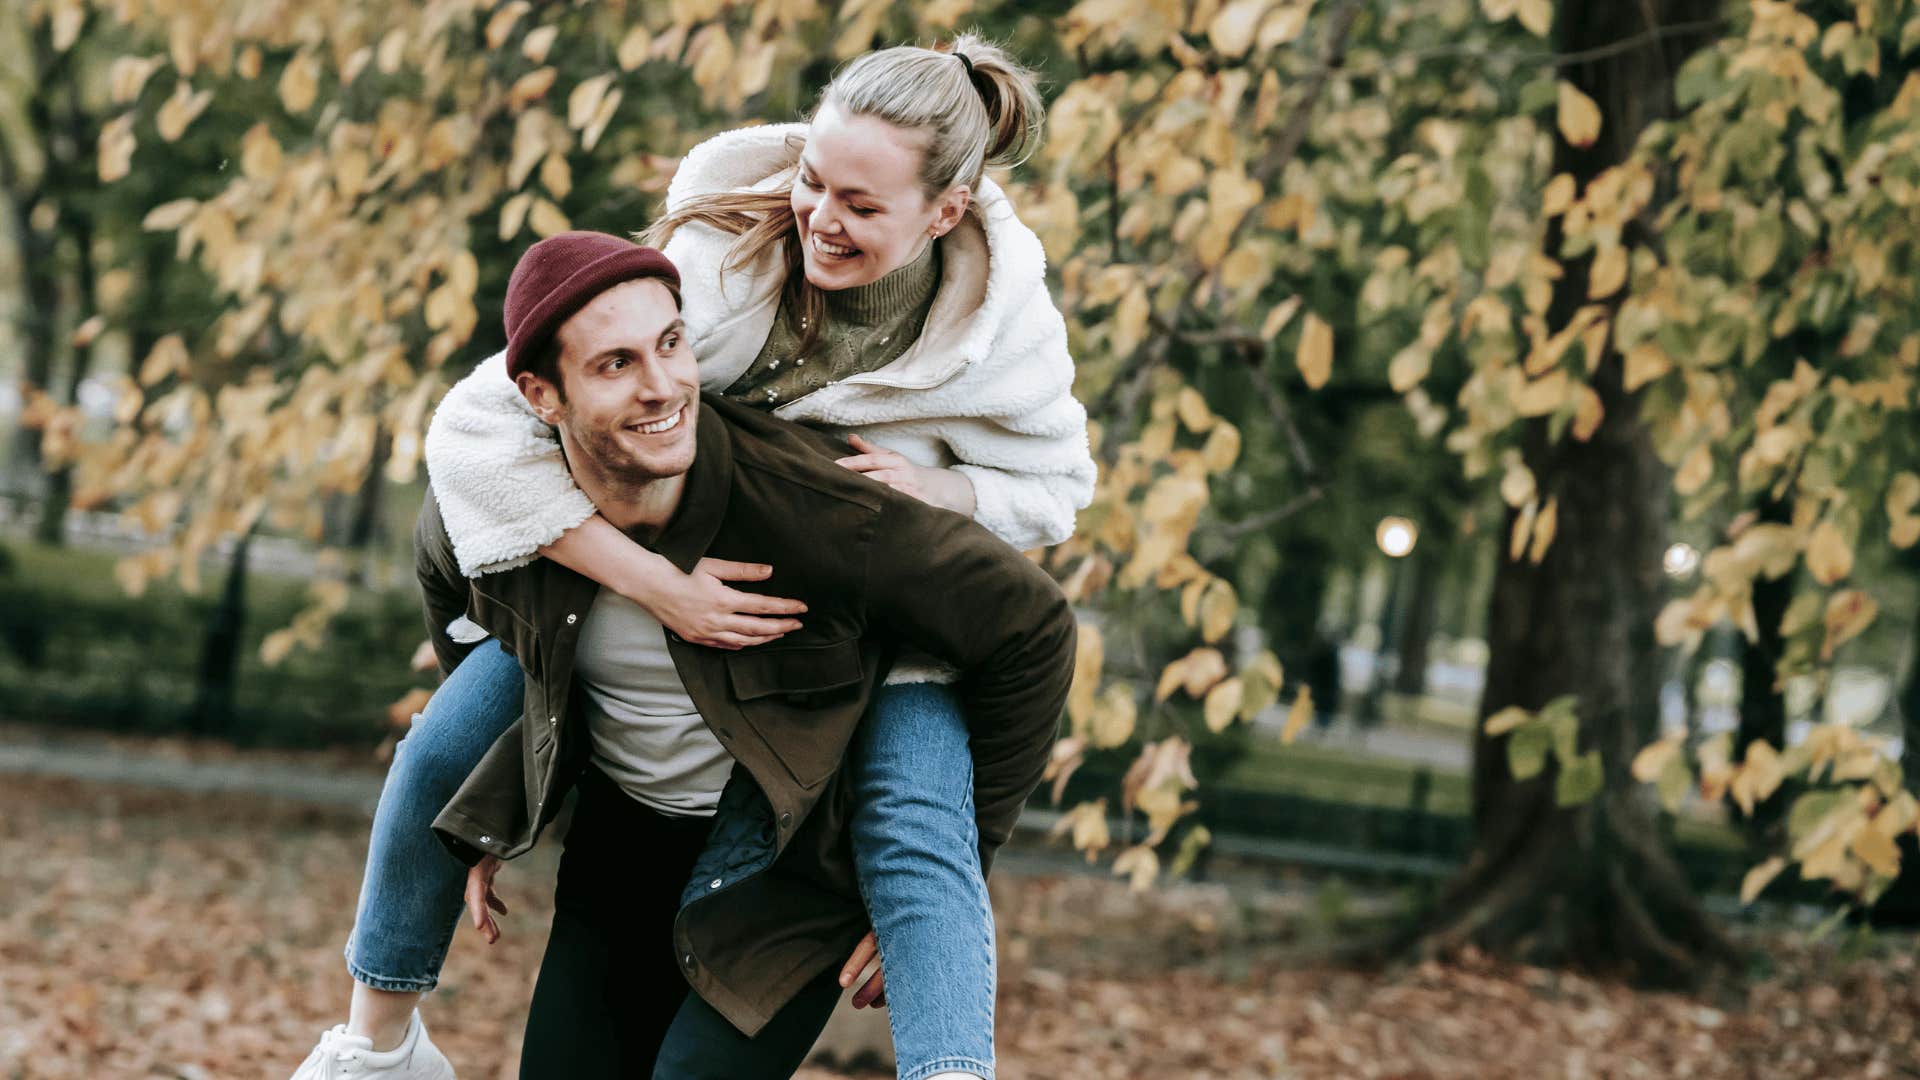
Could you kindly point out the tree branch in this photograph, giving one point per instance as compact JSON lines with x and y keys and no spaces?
{"x":1558,"y":60}
{"x":1234,"y":530}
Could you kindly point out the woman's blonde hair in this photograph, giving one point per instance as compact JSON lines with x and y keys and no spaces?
{"x":980,"y":112}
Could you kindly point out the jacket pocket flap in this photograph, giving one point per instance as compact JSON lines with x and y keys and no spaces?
{"x":794,"y":669}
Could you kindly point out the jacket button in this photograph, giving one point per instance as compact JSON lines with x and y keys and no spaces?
{"x":688,"y":960}
{"x":786,"y":821}
{"x":552,"y":720}
{"x":571,"y":619}
{"x":714,"y":884}
{"x":485,"y":839}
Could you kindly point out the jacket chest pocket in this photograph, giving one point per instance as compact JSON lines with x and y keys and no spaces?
{"x":803,"y":700}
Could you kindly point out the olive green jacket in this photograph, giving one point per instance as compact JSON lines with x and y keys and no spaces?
{"x":876,"y":569}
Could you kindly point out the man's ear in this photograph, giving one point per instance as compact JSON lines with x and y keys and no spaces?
{"x":543,"y":396}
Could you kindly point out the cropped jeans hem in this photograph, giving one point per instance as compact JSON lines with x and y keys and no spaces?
{"x":970,"y":1066}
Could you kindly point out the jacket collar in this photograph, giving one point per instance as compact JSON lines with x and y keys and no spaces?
{"x":703,"y":502}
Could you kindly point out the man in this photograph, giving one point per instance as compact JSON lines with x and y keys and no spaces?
{"x":760,"y":909}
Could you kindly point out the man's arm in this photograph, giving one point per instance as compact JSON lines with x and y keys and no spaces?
{"x":441,"y":586}
{"x":957,"y":591}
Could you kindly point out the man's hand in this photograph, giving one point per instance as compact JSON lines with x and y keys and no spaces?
{"x":704,"y":610}
{"x":866,"y":955}
{"x":938,"y":487}
{"x":480,"y":897}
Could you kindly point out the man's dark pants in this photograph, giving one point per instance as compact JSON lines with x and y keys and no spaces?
{"x":611,"y":1001}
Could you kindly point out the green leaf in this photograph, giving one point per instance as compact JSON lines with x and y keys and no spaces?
{"x":1758,"y":246}
{"x":1191,"y":845}
{"x":1674,"y":782}
{"x":1811,"y":809}
{"x":1539,"y":94}
{"x":1527,"y":750}
{"x":1566,"y":736}
{"x":1579,"y":780}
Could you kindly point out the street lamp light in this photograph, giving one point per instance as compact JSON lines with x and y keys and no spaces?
{"x":1396,"y":536}
{"x":1680,"y":560}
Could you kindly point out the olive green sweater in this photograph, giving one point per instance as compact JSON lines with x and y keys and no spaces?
{"x":867,"y":327}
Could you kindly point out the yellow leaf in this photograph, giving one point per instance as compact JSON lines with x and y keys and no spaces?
{"x":1298,"y":716}
{"x":1543,"y":395}
{"x":1218,"y":605}
{"x":1652,"y":759}
{"x":547,"y":219}
{"x":181,"y":109}
{"x":1903,"y":529}
{"x":1558,"y":195}
{"x":1315,"y":355}
{"x":1171,"y":678}
{"x":1231,"y":31}
{"x":1536,"y":16}
{"x":538,"y":43}
{"x":1517,"y":485}
{"x":1409,"y":368}
{"x":1130,"y":320}
{"x":1645,"y":363}
{"x":1849,"y":612}
{"x":634,"y":48}
{"x":1878,"y":851}
{"x":500,"y":26}
{"x":585,"y":100}
{"x":1140,"y":865}
{"x":1222,"y":448}
{"x":1223,"y":704}
{"x":260,"y":153}
{"x":1695,"y":470}
{"x":116,"y":148}
{"x":1505,"y":720}
{"x":1609,"y":272}
{"x":1588,"y":412}
{"x":300,"y":83}
{"x":556,"y":176}
{"x":1278,"y":318}
{"x":1829,"y":556}
{"x":1284,"y":25}
{"x":609,"y":105}
{"x":1522,"y":530}
{"x":84,"y":334}
{"x":1578,"y":117}
{"x":531,"y":87}
{"x":1758,"y":878}
{"x":170,"y":215}
{"x":1192,"y":410}
{"x":513,"y":215}
{"x":166,"y":358}
{"x":1089,"y":663}
{"x":1113,"y":718}
{"x":1203,"y":669}
{"x":1544,"y":528}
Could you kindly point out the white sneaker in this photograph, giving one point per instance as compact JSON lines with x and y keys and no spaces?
{"x":340,"y":1054}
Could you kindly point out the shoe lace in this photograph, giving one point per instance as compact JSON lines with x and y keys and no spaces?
{"x":337,"y":1054}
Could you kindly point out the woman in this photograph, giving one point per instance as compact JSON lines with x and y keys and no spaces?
{"x":859,"y":274}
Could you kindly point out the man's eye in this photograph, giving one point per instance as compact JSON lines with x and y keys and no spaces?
{"x":617,"y":363}
{"x":672,"y":343}
{"x":865,"y":211}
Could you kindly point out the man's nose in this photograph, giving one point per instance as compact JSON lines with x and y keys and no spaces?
{"x":655,"y":382}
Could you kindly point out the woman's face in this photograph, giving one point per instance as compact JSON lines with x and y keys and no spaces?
{"x":858,"y":204}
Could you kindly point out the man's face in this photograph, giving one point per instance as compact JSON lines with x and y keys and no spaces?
{"x":632,"y":388}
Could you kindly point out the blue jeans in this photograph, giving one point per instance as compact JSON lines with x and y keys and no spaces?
{"x":915,"y":843}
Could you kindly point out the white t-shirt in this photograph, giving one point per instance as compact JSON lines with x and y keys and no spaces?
{"x":647,"y":735}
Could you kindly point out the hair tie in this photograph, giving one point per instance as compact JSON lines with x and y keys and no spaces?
{"x":966,"y":62}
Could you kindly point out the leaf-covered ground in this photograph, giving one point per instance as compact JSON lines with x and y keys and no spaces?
{"x":156,"y":934}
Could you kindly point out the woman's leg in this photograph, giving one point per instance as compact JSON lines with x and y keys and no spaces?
{"x":916,"y":849}
{"x":411,"y":896}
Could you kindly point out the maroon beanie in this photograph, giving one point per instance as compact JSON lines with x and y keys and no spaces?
{"x":562,"y":274}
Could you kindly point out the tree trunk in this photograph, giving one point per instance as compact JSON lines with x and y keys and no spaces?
{"x":1763,"y":708}
{"x":1418,"y":619}
{"x":220,"y":649}
{"x":1590,"y":885}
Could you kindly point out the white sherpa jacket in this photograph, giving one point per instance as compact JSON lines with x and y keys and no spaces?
{"x":986,"y":390}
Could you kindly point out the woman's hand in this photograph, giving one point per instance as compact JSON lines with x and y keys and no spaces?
{"x":698,"y":606}
{"x":480,"y":897}
{"x":938,"y":487}
{"x":704,"y":610}
{"x":865,"y":955}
